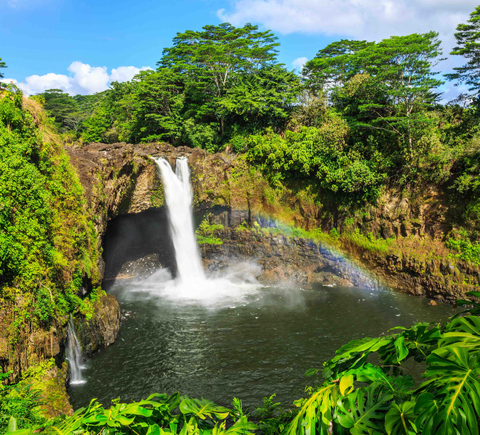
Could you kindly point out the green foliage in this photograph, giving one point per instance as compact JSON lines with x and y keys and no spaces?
{"x":159,"y":414}
{"x":364,"y":398}
{"x":261,"y":99}
{"x":2,"y":65}
{"x":369,"y":241}
{"x":464,"y":247}
{"x":46,"y":242}
{"x":205,"y":230}
{"x":19,"y":405}
{"x":467,"y":47}
{"x":334,"y":65}
{"x":63,"y":108}
{"x":320,"y":155}
{"x":382,"y":89}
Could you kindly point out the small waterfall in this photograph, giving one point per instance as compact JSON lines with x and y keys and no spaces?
{"x":178,"y":198}
{"x":74,"y":356}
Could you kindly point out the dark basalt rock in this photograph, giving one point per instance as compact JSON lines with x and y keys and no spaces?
{"x":102,"y":328}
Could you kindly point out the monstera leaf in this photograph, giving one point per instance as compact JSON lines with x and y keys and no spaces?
{"x":461,"y":332}
{"x":354,"y":354}
{"x":315,"y":415}
{"x":368,"y":373}
{"x":363,"y":411}
{"x":418,"y":342}
{"x":400,"y":420}
{"x":453,"y":405}
{"x":203,"y":408}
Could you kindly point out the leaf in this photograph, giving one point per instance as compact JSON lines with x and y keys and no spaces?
{"x":311,"y":372}
{"x":401,"y":349}
{"x":401,"y":419}
{"x":203,"y":408}
{"x":363,"y":411}
{"x":426,"y":407}
{"x":346,"y":383}
{"x":316,"y":412}
{"x":354,"y":354}
{"x":462,"y":332}
{"x":455,"y":386}
{"x":154,"y":430}
{"x":242,"y":427}
{"x":12,"y":424}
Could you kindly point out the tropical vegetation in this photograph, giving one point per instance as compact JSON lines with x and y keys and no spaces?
{"x":362,"y":116}
{"x":364,"y":389}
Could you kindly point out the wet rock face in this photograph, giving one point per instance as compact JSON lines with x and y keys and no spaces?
{"x":283,"y":259}
{"x":141,"y":268}
{"x":33,"y":346}
{"x":102,"y":328}
{"x":122,"y":179}
{"x":440,"y":279}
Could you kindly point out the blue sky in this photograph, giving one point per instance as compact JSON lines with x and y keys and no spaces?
{"x":80,"y":46}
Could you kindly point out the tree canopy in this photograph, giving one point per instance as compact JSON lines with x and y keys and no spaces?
{"x":2,"y":65}
{"x":468,"y":46}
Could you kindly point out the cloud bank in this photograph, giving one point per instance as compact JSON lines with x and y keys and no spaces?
{"x":361,"y":19}
{"x":83,"y":79}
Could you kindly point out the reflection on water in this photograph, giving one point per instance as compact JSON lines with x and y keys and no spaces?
{"x":256,"y":342}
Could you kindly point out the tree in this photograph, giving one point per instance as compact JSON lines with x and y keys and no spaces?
{"x":157,"y":105}
{"x":2,"y":65}
{"x":211,"y":58}
{"x":60,"y":105}
{"x":334,"y":65}
{"x":402,"y":65}
{"x":468,"y":46}
{"x":262,"y":99}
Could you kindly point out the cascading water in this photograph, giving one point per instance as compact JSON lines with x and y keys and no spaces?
{"x":178,"y":197}
{"x":74,"y":356}
{"x":191,"y":282}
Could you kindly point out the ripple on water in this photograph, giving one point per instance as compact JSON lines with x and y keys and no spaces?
{"x":249,"y":342}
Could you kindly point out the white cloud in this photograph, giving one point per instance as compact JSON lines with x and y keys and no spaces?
{"x":88,"y":78}
{"x":299,"y":62}
{"x":84,"y":79}
{"x":362,"y":19}
{"x":125,"y":73}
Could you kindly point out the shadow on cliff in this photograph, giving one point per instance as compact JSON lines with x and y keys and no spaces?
{"x":135,"y":236}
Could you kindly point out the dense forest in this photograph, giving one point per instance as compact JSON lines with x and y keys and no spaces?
{"x":360,"y":117}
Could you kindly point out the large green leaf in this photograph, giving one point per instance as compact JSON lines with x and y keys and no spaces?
{"x":354,"y":354}
{"x":462,"y":332}
{"x":455,"y":389}
{"x":397,"y":385}
{"x":363,"y":411}
{"x":203,"y":408}
{"x":418,"y":342}
{"x":315,"y":414}
{"x":400,"y":420}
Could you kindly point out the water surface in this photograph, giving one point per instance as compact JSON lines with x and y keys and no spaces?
{"x":255,"y":343}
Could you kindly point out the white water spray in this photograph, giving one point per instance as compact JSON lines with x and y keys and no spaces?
{"x":74,"y":356}
{"x":191,"y":282}
{"x":178,"y":197}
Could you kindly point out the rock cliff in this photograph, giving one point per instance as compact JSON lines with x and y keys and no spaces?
{"x":122,"y":179}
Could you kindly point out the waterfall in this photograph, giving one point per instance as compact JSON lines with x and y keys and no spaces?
{"x":178,"y":199}
{"x":74,"y":356}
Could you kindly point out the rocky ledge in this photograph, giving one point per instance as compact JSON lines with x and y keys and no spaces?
{"x":122,"y":179}
{"x":283,"y":259}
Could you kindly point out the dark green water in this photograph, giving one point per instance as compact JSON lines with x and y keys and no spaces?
{"x":259,"y":342}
